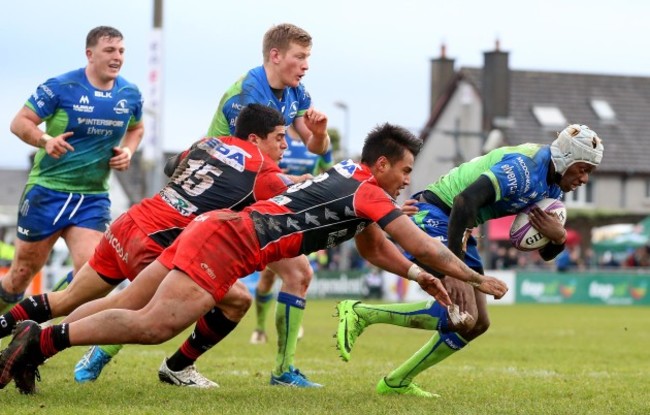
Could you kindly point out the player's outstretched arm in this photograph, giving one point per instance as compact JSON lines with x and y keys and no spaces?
{"x":435,"y":254}
{"x":373,"y":245}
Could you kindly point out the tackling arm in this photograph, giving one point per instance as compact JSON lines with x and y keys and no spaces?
{"x":435,"y":254}
{"x":376,"y":248}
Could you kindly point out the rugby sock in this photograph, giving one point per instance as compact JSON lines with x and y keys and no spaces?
{"x":63,"y":282}
{"x":35,"y":308}
{"x":262,"y":306}
{"x":54,"y":339}
{"x":209,"y":330}
{"x":438,"y":348}
{"x":427,"y":315}
{"x":288,"y":319}
{"x":111,"y":349}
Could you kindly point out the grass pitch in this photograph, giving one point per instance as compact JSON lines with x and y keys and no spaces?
{"x":535,"y":359}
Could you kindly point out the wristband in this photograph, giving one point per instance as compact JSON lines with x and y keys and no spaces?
{"x":413,"y":272}
{"x":44,"y":139}
{"x":563,"y":239}
{"x":127,"y":151}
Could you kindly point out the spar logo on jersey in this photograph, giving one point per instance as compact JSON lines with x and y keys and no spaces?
{"x":233,"y":156}
{"x":83,"y":105}
{"x":346,"y":168}
{"x":121,"y":107}
{"x":293,"y":109}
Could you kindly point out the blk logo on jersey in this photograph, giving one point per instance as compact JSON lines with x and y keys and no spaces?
{"x":103,"y":94}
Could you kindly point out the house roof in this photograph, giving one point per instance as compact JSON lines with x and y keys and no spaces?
{"x":626,"y":139}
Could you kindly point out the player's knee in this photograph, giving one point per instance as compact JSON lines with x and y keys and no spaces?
{"x":299,"y":278}
{"x":477,"y":328}
{"x":21,"y":274}
{"x":482,"y":325}
{"x":240,"y":306}
{"x":236,"y":303}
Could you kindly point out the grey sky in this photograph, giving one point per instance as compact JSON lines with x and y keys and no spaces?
{"x":372,"y":55}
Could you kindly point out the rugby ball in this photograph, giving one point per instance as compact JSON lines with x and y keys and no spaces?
{"x":522,"y":234}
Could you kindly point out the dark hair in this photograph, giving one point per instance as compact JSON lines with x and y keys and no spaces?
{"x":281,"y":36}
{"x":99,"y":32}
{"x":257,"y":119}
{"x":390,"y":141}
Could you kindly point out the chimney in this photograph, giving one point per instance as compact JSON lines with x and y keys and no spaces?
{"x":442,"y":72}
{"x":495,"y":87}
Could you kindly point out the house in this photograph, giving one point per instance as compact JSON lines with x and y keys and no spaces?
{"x":476,"y":109}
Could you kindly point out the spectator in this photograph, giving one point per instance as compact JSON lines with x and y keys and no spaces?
{"x":373,"y":283}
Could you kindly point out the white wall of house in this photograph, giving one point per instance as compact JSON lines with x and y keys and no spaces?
{"x":438,"y":153}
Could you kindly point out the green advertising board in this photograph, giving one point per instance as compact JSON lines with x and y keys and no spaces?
{"x":620,"y":288}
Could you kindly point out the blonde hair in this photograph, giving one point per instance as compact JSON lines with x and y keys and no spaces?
{"x":281,"y":36}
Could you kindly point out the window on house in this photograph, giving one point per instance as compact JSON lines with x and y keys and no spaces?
{"x":549,"y":116}
{"x":603,"y":110}
{"x":647,"y":188}
{"x":582,"y":196}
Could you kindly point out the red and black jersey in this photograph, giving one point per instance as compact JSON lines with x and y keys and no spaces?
{"x":222,"y":173}
{"x":322,"y":212}
{"x":215,"y":173}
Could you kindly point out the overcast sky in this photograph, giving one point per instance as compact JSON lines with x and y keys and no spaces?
{"x":372,"y":55}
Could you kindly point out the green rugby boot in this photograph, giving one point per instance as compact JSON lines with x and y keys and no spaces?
{"x":351,"y":325}
{"x":411,"y":389}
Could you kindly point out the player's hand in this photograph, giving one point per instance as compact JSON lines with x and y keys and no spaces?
{"x":121,"y":160}
{"x":316,"y":122}
{"x":548,"y":224}
{"x":459,"y":291}
{"x":58,"y":146}
{"x":433,"y":286}
{"x":409,"y":208}
{"x":301,"y":178}
{"x":493,"y":286}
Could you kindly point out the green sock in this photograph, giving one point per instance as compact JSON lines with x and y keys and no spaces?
{"x":438,"y":348}
{"x":111,"y":349}
{"x":8,"y":300}
{"x":427,"y":315}
{"x":288,"y":318}
{"x":63,"y":282}
{"x":5,"y":306}
{"x":262,"y":307}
